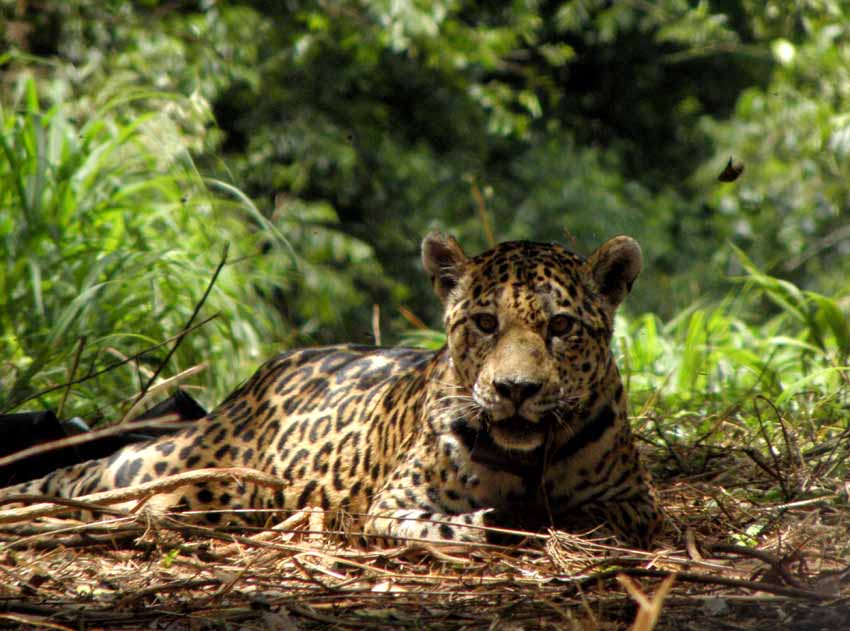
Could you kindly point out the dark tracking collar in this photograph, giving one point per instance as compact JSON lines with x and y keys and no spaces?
{"x":484,"y":451}
{"x":528,"y":465}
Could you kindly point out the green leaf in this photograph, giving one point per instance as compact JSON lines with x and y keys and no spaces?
{"x":837,"y":322}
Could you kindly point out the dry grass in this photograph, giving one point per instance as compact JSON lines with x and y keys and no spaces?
{"x":729,"y":561}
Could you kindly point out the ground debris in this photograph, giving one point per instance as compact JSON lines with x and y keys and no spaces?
{"x":737,"y":562}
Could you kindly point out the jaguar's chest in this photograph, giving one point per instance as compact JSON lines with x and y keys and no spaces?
{"x":477,"y":474}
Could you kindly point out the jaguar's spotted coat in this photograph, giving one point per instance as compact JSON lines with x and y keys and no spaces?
{"x":520,"y":420}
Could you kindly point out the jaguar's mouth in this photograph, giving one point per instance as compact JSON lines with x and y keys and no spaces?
{"x":517,"y":432}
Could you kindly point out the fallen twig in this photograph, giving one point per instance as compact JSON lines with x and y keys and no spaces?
{"x":186,"y":328}
{"x":50,"y":507}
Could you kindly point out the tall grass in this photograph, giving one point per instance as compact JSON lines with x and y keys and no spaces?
{"x":109,"y":238}
{"x":769,"y":362}
{"x":769,"y":337}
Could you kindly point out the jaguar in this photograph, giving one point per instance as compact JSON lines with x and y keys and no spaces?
{"x":518,"y":422}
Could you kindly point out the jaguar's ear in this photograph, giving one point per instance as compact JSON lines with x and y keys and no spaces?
{"x":615,"y":265}
{"x":444,"y":262}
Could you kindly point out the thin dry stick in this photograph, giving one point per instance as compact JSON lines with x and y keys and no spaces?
{"x":34,"y":622}
{"x":79,"y":534}
{"x":164,"y":385}
{"x":481,"y":209}
{"x":79,"y":439}
{"x":792,"y":449}
{"x":139,"y":367}
{"x":173,"y":586}
{"x":71,"y":374}
{"x":182,"y":335}
{"x":691,"y":545}
{"x":649,"y":610}
{"x":98,"y":373}
{"x":376,"y":323}
{"x":412,"y":318}
{"x":76,"y":504}
{"x":776,"y":564}
{"x":816,"y":248}
{"x":773,"y":452}
{"x":142,"y":491}
{"x":706,"y":579}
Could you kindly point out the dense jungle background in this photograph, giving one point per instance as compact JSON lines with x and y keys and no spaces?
{"x":321,"y":140}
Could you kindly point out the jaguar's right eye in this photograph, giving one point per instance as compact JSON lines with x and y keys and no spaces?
{"x":561,"y":325}
{"x":486,"y":323}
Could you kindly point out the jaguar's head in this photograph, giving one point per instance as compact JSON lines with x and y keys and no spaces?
{"x":529,"y":327}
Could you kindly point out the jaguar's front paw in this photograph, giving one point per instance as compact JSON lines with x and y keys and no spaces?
{"x":516,"y":519}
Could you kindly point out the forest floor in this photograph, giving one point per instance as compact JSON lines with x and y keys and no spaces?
{"x":754,"y":542}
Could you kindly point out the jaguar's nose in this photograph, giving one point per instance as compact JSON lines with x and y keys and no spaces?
{"x":517,"y":391}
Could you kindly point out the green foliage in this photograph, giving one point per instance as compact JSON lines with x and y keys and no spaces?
{"x":579,"y":116}
{"x":324,"y":139}
{"x":109,"y":238}
{"x":822,"y":321}
{"x":716,"y":366}
{"x":789,"y":210}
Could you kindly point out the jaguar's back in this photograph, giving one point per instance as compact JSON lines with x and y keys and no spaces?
{"x":320,"y":419}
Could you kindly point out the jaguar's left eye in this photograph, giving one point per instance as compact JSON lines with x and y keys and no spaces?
{"x":561,"y":325}
{"x":486,"y":323}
